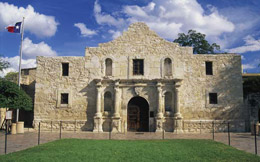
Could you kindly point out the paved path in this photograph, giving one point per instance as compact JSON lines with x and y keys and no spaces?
{"x":242,"y":141}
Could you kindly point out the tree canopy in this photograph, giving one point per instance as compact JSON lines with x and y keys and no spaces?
{"x":3,"y":64}
{"x":197,"y":41}
{"x":12,"y":77}
{"x":13,"y":97}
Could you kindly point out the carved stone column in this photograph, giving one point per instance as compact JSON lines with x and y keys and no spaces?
{"x":177,"y":115}
{"x":159,"y":106}
{"x":116,"y":119}
{"x":159,"y":116}
{"x":117,"y":100}
{"x":98,"y":116}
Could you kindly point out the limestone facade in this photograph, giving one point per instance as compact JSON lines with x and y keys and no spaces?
{"x":139,"y":82}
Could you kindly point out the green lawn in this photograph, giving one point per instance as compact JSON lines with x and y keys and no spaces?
{"x":74,"y":150}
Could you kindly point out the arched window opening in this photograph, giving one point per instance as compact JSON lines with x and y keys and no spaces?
{"x":108,"y":102}
{"x":168,"y":101}
{"x":108,"y":63}
{"x":167,"y":67}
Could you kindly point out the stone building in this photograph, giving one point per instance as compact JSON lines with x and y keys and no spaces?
{"x":139,"y":82}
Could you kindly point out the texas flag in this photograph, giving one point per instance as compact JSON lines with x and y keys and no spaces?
{"x":15,"y":29}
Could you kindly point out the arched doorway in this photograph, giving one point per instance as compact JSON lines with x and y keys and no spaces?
{"x":138,"y":115}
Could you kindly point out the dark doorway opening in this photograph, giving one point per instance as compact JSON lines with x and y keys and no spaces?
{"x":259,"y":115}
{"x":138,"y":115}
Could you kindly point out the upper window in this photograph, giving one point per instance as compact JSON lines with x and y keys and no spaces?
{"x":64,"y":98}
{"x":213,"y":98}
{"x":209,"y":69}
{"x":26,"y":72}
{"x":65,"y":69}
{"x":168,"y":101}
{"x":108,"y":69}
{"x":108,"y":102}
{"x":138,"y":67}
{"x":167,"y":67}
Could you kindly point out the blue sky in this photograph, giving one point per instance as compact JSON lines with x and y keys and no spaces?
{"x":65,"y":28}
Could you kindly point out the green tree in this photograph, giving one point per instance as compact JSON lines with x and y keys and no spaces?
{"x":13,"y":97}
{"x":197,"y":41}
{"x":12,"y":77}
{"x":3,"y":64}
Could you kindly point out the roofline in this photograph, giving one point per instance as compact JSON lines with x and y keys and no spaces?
{"x":250,"y":74}
{"x":29,"y":68}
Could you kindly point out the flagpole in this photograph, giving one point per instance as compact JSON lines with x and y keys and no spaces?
{"x":20,"y":63}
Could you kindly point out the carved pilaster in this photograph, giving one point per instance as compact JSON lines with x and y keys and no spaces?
{"x":98,"y":116}
{"x":98,"y":100}
{"x":116,"y":124}
{"x":159,"y":116}
{"x":177,"y":113}
{"x":159,"y":106}
{"x":117,"y":100}
{"x":98,"y":122}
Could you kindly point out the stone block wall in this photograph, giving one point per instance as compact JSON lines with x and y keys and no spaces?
{"x":139,"y":42}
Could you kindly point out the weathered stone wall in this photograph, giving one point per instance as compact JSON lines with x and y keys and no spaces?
{"x":139,"y":42}
{"x":28,"y":77}
{"x":226,"y":81}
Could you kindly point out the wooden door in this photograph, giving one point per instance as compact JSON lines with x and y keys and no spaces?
{"x":133,"y":119}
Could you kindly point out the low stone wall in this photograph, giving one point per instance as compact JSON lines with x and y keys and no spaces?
{"x":206,"y":126}
{"x":188,"y":126}
{"x":71,"y":125}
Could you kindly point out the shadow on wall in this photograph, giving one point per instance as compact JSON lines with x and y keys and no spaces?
{"x":27,"y":116}
{"x":90,"y":92}
{"x":229,"y":89}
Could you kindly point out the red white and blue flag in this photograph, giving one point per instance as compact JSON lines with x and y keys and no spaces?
{"x":15,"y":29}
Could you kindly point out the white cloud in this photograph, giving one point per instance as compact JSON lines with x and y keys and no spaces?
{"x":85,"y":32}
{"x":249,"y":66}
{"x":115,"y":34}
{"x":107,"y":19}
{"x":14,"y":64}
{"x":170,"y":17}
{"x":31,"y":50}
{"x":39,"y":24}
{"x":245,"y":22}
{"x":251,"y":45}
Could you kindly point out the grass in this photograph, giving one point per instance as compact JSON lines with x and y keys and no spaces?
{"x":74,"y":150}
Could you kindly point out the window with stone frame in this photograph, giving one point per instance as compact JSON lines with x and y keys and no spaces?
{"x":25,"y":71}
{"x":65,"y":69}
{"x":108,"y":66}
{"x":138,"y":67}
{"x":213,"y":98}
{"x":167,"y":67}
{"x":108,"y":101}
{"x":209,"y":68}
{"x":64,"y":98}
{"x":168,"y":101}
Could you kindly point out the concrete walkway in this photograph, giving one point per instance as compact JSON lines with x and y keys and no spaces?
{"x":241,"y":141}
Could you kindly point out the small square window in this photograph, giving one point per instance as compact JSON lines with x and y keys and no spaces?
{"x":64,"y":98}
{"x":209,"y":69}
{"x":65,"y":69}
{"x":138,"y":67}
{"x":213,"y":98}
{"x":25,"y":72}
